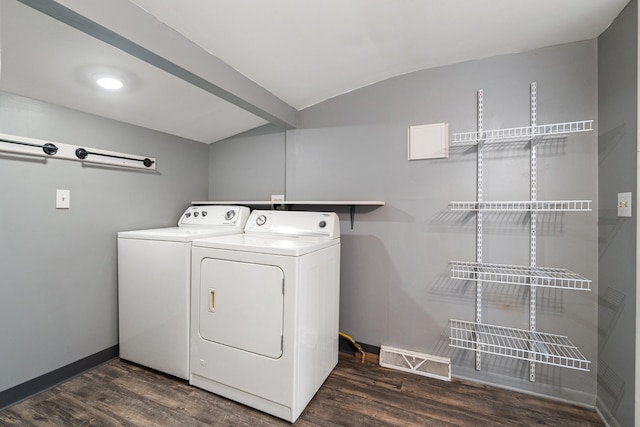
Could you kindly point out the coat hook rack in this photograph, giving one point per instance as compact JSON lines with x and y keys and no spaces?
{"x":82,"y":154}
{"x":48,"y":148}
{"x":35,"y":147}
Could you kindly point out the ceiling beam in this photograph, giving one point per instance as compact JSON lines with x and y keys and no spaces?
{"x":124,"y":25}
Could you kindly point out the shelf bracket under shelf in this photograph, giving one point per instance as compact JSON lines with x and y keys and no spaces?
{"x":352,"y":214}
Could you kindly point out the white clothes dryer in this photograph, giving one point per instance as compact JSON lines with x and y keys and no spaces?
{"x":264,"y":310}
{"x":154,"y":279}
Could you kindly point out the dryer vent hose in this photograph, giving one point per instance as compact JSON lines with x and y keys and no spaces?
{"x":357,"y":346}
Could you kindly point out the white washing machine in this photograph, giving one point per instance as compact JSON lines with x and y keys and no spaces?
{"x":264,"y":310}
{"x":154,"y":279}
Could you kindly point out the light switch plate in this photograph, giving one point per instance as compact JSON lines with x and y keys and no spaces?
{"x":63,"y":199}
{"x":624,"y":205}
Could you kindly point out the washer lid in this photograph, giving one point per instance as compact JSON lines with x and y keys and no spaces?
{"x":268,"y":244}
{"x":179,"y":234}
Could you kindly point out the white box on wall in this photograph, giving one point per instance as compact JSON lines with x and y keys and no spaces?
{"x":428,"y":141}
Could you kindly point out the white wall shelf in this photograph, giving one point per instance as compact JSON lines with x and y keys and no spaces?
{"x":530,"y":345}
{"x":519,"y":275}
{"x":537,"y":347}
{"x":288,"y":204}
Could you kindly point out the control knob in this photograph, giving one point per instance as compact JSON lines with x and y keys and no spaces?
{"x":261,"y":220}
{"x":229,"y":215}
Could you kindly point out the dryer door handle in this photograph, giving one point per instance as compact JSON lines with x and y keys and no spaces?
{"x":212,"y":300}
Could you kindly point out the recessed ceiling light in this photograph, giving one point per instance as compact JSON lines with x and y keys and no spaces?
{"x":109,"y":83}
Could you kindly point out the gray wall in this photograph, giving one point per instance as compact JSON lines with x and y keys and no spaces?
{"x":58,"y":267}
{"x":250,"y":166}
{"x":617,"y":169}
{"x":395,"y":288}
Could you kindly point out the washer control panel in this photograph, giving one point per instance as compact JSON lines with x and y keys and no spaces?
{"x":294,"y":223}
{"x":207,"y":216}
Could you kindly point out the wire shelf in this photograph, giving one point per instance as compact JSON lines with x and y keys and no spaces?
{"x":520,"y":133}
{"x":525,"y":205}
{"x":519,"y":275}
{"x":538,"y":347}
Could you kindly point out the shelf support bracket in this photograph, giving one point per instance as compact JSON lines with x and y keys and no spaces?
{"x":352,"y":214}
{"x":479,"y":224}
{"x":533,"y":288}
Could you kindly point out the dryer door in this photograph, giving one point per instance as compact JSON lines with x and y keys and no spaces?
{"x":241,"y":305}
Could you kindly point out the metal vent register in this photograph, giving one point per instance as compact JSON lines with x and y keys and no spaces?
{"x":416,"y":363}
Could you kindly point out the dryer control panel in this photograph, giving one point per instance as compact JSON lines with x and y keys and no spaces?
{"x":294,"y":223}
{"x":207,"y":216}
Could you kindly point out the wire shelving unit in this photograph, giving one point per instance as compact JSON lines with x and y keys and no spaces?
{"x":530,"y":345}
{"x":545,"y":277}
{"x":536,"y":347}
{"x":524,"y":205}
{"x":524,"y":133}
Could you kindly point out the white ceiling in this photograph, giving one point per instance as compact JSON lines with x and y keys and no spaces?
{"x":50,"y":61}
{"x":308,"y":51}
{"x":303,"y":52}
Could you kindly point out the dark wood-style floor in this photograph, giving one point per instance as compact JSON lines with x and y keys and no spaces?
{"x":356,"y":394}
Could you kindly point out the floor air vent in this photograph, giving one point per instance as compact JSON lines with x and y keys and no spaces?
{"x":417,"y":363}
